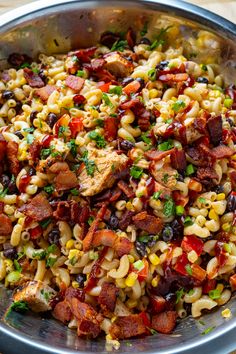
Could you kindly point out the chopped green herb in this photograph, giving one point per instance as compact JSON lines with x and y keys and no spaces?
{"x":202,"y":323}
{"x":100,"y":122}
{"x":45,"y":294}
{"x":208,"y":330}
{"x":30,"y":138}
{"x":136,"y":172}
{"x":169,"y":208}
{"x":51,"y":249}
{"x":144,"y":29}
{"x":73,"y":148}
{"x":156,"y":195}
{"x":18,"y":306}
{"x":17,"y":265}
{"x":35,"y":70}
{"x":214,"y":294}
{"x":190,"y":170}
{"x":202,"y":200}
{"x":139,"y":265}
{"x":128,"y":344}
{"x":178,"y":105}
{"x":74,"y":191}
{"x":24,"y":65}
{"x":90,"y":220}
{"x":45,"y":153}
{"x":161,"y":38}
{"x":3,"y":193}
{"x":93,"y":255}
{"x":80,"y":73}
{"x":13,"y":276}
{"x":39,"y":255}
{"x":228,"y":102}
{"x":100,"y":141}
{"x":48,"y":189}
{"x":145,"y":138}
{"x":227,"y":247}
{"x":153,"y":331}
{"x":89,"y":164}
{"x":28,"y":130}
{"x":179,"y":210}
{"x":51,"y":261}
{"x":179,"y":294}
{"x":107,"y":100}
{"x":188,"y":221}
{"x":188,"y":269}
{"x":166,"y":145}
{"x":144,"y":238}
{"x":44,"y":223}
{"x":62,"y":131}
{"x":117,"y":90}
{"x":113,"y":115}
{"x":152,"y":74}
{"x":119,"y":46}
{"x":165,"y":178}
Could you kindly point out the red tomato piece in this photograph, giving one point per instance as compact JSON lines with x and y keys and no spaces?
{"x":23,"y":183}
{"x":36,"y":232}
{"x":192,"y":243}
{"x":76,"y":126}
{"x":104,"y":87}
{"x":132,"y":87}
{"x":180,"y":265}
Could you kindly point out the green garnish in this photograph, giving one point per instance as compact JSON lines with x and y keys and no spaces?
{"x":25,"y":65}
{"x":17,"y":266}
{"x":152,"y":74}
{"x":179,"y":294}
{"x":202,"y":200}
{"x":107,"y":100}
{"x":30,"y":138}
{"x":191,"y":292}
{"x":90,"y":220}
{"x":153,"y":331}
{"x":136,"y":172}
{"x":139,"y":265}
{"x":51,"y":261}
{"x":100,"y":141}
{"x":161,"y":38}
{"x":89,"y":164}
{"x":190,"y":170}
{"x":166,"y":145}
{"x":165,"y":178}
{"x":178,"y":105}
{"x":3,"y":193}
{"x":188,"y":269}
{"x":203,"y":67}
{"x":74,"y":191}
{"x":45,"y":153}
{"x":18,"y":306}
{"x":228,"y":102}
{"x":169,"y":208}
{"x":145,"y":138}
{"x":48,"y":189}
{"x":144,"y":29}
{"x":188,"y":221}
{"x":214,"y":294}
{"x":179,"y":210}
{"x":73,"y":148}
{"x":28,"y":130}
{"x":156,"y":195}
{"x":44,"y":223}
{"x":208,"y":330}
{"x":227,"y":247}
{"x":117,"y":90}
{"x":119,"y":46}
{"x":80,"y":73}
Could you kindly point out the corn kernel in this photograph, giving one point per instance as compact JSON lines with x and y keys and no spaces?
{"x":69,"y":244}
{"x":131,"y":303}
{"x":226,"y":227}
{"x":233,"y":157}
{"x":155,"y":282}
{"x":75,"y":285}
{"x":74,"y":253}
{"x":154,"y":259}
{"x":108,"y":337}
{"x":131,"y":258}
{"x":131,"y":279}
{"x":153,"y":93}
{"x":130,"y":206}
{"x":113,"y":319}
{"x":226,"y":313}
{"x":220,"y":196}
{"x":21,"y":221}
{"x":120,"y":283}
{"x":212,"y":215}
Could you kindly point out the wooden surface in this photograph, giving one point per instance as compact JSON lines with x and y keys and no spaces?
{"x":225,"y":8}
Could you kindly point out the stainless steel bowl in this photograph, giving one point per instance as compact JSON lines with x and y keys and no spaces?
{"x":54,"y":26}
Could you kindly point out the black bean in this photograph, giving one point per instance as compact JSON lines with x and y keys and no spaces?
{"x":4,"y":180}
{"x":33,"y":115}
{"x":180,"y":177}
{"x":18,"y":106}
{"x":126,"y":145}
{"x":51,"y":119}
{"x":12,"y":187}
{"x":167,"y":233}
{"x":54,"y":237}
{"x":202,"y":80}
{"x":10,"y":253}
{"x":113,"y":222}
{"x":230,"y":121}
{"x":152,"y":239}
{"x":19,"y":134}
{"x":32,"y":171}
{"x":7,"y":95}
{"x":140,"y":248}
{"x":231,"y":202}
{"x":177,"y":227}
{"x":219,"y":189}
{"x":80,"y":278}
{"x":162,"y":65}
{"x":127,"y":81}
{"x":145,"y":40}
{"x":42,"y":75}
{"x":171,"y":300}
{"x":141,"y":81}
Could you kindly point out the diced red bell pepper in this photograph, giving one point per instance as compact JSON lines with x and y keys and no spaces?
{"x":143,"y":273}
{"x":198,"y":272}
{"x":180,"y":265}
{"x":132,"y":87}
{"x":104,"y":87}
{"x":76,"y":126}
{"x":36,"y":232}
{"x":47,"y":140}
{"x":192,"y":243}
{"x":23,"y":183}
{"x":209,"y":285}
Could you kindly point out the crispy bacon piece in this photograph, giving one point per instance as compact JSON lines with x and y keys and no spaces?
{"x":110,"y":128}
{"x":3,"y":147}
{"x":5,"y":225}
{"x":63,"y":211}
{"x":131,"y":37}
{"x":178,"y":160}
{"x":148,"y":223}
{"x":107,"y":297}
{"x":88,"y":319}
{"x":126,"y":189}
{"x":13,"y":162}
{"x":38,"y":208}
{"x":155,"y":155}
{"x":62,"y":311}
{"x":164,"y":322}
{"x":215,"y":129}
{"x":33,"y":79}
{"x":204,"y":173}
{"x":128,"y":326}
{"x":34,"y":150}
{"x":104,"y":237}
{"x":65,"y":180}
{"x":140,"y":112}
{"x":198,"y":157}
{"x":84,"y":55}
{"x":88,"y":240}
{"x":45,"y":92}
{"x":97,"y":64}
{"x":126,"y":219}
{"x":72,"y":292}
{"x":158,"y":303}
{"x":233,"y":179}
{"x":201,"y":121}
{"x":222,"y":151}
{"x":74,"y":82}
{"x":122,"y":246}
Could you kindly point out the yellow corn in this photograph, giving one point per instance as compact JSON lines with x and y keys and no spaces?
{"x":74,"y":253}
{"x":226,"y":227}
{"x":155,"y":282}
{"x":212,"y":215}
{"x":226,"y":313}
{"x":131,"y":279}
{"x":131,"y":258}
{"x":220,"y":287}
{"x":120,"y":283}
{"x":154,"y":259}
{"x":220,"y":196}
{"x":21,"y":221}
{"x":113,"y":319}
{"x":75,"y":285}
{"x":153,"y":93}
{"x":69,"y":244}
{"x":233,"y":157}
{"x":130,"y":206}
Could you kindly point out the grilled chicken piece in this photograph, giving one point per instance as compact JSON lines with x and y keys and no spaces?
{"x":118,"y":65}
{"x":36,"y":294}
{"x":107,"y":164}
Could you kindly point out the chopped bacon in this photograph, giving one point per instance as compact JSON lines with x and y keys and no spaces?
{"x":128,"y":191}
{"x":84,"y":55}
{"x":62,"y":311}
{"x":198,"y":157}
{"x":222,"y":151}
{"x":107,"y":297}
{"x":131,"y":37}
{"x":65,"y":180}
{"x":204,"y":173}
{"x":144,"y":120}
{"x":72,"y":292}
{"x":164,"y":322}
{"x":74,"y":82}
{"x":148,"y":223}
{"x":97,"y":64}
{"x":92,"y":280}
{"x":3,"y":147}
{"x":35,"y":232}
{"x":232,"y":281}
{"x":122,"y":246}
{"x":34,"y":150}
{"x":173,"y":77}
{"x":158,"y":303}
{"x":38,"y":208}
{"x":110,"y":128}
{"x":139,"y":110}
{"x":232,"y":175}
{"x":128,"y":326}
{"x":88,"y":240}
{"x":45,"y":92}
{"x":12,"y":151}
{"x":156,"y":155}
{"x":126,"y":219}
{"x":23,"y":182}
{"x":5,"y":225}
{"x":70,"y":211}
{"x":88,"y":319}
{"x":104,"y":237}
{"x":201,"y":121}
{"x":178,"y":160}
{"x":63,"y":211}
{"x":214,"y":126}
{"x":33,"y":79}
